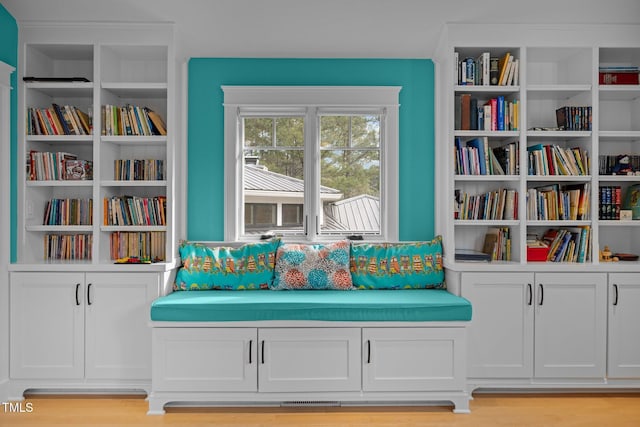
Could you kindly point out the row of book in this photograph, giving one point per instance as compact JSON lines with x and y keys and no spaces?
{"x":610,"y":202}
{"x":147,"y":245}
{"x":139,"y":170}
{"x":68,"y":246}
{"x":134,"y":210}
{"x":568,"y":244}
{"x":555,"y":202}
{"x":131,"y":120}
{"x":476,"y":157}
{"x":553,"y":159}
{"x":574,"y":118}
{"x":618,"y":164}
{"x":495,"y":114}
{"x":619,"y":75}
{"x":68,"y":212}
{"x":42,"y":165}
{"x":497,"y":243}
{"x":501,"y":204}
{"x":58,"y":120}
{"x":487,"y":70}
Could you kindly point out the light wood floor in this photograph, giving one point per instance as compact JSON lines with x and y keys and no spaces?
{"x":601,"y":410}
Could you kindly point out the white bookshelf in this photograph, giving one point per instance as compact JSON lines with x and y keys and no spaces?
{"x":123,"y":64}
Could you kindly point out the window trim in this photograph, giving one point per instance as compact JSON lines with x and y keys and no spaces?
{"x":313,"y":100}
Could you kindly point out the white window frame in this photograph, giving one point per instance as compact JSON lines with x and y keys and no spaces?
{"x":311,"y":101}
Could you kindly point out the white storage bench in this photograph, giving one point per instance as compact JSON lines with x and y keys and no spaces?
{"x":302,"y":348}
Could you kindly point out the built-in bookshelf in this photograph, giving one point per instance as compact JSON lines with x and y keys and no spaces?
{"x":96,"y":126}
{"x":560,"y":135}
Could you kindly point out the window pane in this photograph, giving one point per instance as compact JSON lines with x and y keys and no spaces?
{"x":258,"y":132}
{"x":353,"y":205}
{"x":334,"y":131}
{"x":274,"y":176}
{"x":365,"y":131}
{"x":290,"y":131}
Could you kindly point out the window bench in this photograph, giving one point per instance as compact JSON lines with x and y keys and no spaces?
{"x":295,"y":348}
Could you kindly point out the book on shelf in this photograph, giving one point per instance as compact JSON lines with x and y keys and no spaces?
{"x":476,"y":157}
{"x":68,"y":212}
{"x":498,"y":204}
{"x":619,"y":75}
{"x":609,"y":202}
{"x":574,"y":118}
{"x":495,"y":114}
{"x":554,"y":202}
{"x":68,"y":247}
{"x":471,"y":255}
{"x":568,"y":244}
{"x":49,"y":166}
{"x":134,"y":210}
{"x":131,"y":120}
{"x":78,"y":170}
{"x":148,"y":245}
{"x":139,"y":170}
{"x":503,"y":64}
{"x":58,"y":120}
{"x":553,"y":159}
{"x":497,"y":243}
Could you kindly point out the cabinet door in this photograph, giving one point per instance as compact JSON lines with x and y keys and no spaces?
{"x":205,"y":359}
{"x":309,"y":359}
{"x":47,"y":325}
{"x":413,"y":359}
{"x":624,"y":318}
{"x":570,"y":325}
{"x":118,"y":337}
{"x":500,"y":335}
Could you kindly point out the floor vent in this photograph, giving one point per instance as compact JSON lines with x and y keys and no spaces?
{"x":309,"y":403}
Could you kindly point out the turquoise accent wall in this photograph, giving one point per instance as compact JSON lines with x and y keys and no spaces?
{"x":206,"y":178}
{"x":9,"y":55}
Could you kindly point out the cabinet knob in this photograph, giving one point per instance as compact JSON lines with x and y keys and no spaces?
{"x":615,"y":288}
{"x":77,"y":296}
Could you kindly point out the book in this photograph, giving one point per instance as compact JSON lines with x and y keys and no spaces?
{"x":471,"y":255}
{"x":494,"y":70}
{"x":503,"y":64}
{"x":465,"y":111}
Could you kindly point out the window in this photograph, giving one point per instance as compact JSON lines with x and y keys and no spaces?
{"x":311,"y":163}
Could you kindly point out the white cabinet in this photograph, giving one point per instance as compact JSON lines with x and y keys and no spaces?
{"x":309,"y":359}
{"x":117,"y":336}
{"x":76,"y":326}
{"x":47,"y":325}
{"x":570,"y":325}
{"x":542,"y":325}
{"x":500,"y":336}
{"x":205,"y":359}
{"x":413,"y":359}
{"x":624,"y":318}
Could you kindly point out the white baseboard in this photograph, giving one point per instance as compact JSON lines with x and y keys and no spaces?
{"x":4,"y":390}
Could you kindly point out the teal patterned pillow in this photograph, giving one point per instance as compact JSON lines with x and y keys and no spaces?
{"x":415,"y":265}
{"x":248,"y":267}
{"x":304,"y":266}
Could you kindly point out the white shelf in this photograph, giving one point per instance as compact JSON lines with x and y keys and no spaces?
{"x":490,"y":178}
{"x":135,"y":140}
{"x":62,"y":183}
{"x":133,"y":228}
{"x":64,"y":228}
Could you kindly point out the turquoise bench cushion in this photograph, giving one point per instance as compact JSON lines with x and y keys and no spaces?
{"x":407,"y":305}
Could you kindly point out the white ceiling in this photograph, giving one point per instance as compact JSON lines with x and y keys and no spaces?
{"x":321,"y":28}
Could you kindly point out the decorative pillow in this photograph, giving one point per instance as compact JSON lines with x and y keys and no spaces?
{"x":415,"y":265}
{"x":248,"y":267}
{"x":302,"y":266}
